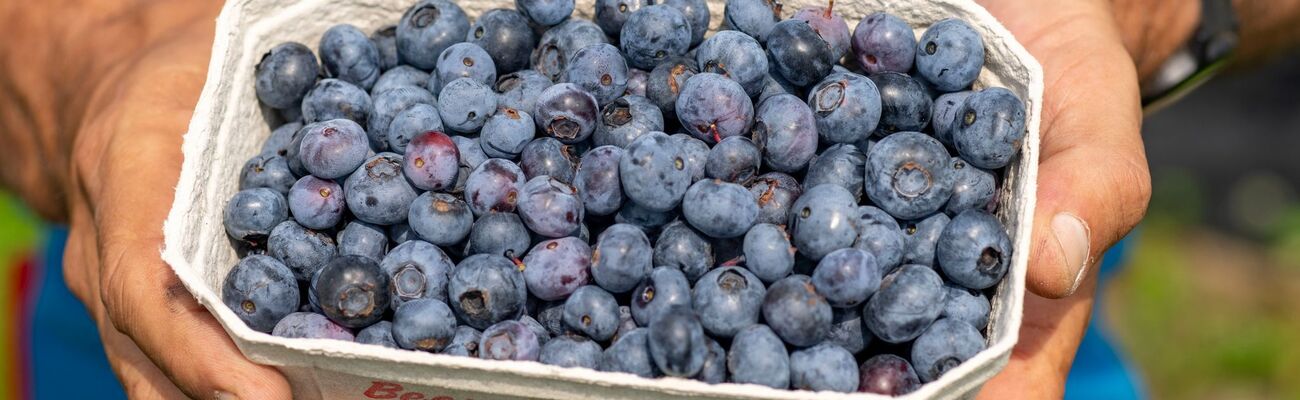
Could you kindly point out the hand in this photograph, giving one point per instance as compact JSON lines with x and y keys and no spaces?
{"x":126,"y":160}
{"x":1093,"y":182}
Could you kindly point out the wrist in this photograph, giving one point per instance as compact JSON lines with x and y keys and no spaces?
{"x":1153,"y":30}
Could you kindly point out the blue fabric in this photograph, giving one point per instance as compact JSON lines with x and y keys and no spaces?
{"x":67,"y":358}
{"x":1100,"y":371}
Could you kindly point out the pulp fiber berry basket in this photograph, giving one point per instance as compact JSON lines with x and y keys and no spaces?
{"x":229,"y":126}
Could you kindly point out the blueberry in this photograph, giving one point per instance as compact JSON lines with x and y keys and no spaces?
{"x":440,"y":218}
{"x":715,"y":364}
{"x":630,"y":354}
{"x":972,"y":188}
{"x":654,"y":33}
{"x":848,"y":330}
{"x":697,"y":154}
{"x":486,"y":289}
{"x":921,"y":237}
{"x":463,"y":60}
{"x":974,"y":250}
{"x":905,"y":104}
{"x":278,"y":143}
{"x":333,"y":149}
{"x":796,"y":312}
{"x":362,"y":239}
{"x":353,"y":291}
{"x":909,"y":299}
{"x":712,"y":107}
{"x":600,"y":69}
{"x":464,"y":343}
{"x":847,"y":277}
{"x":829,"y":26}
{"x":509,"y":340}
{"x":950,"y":55}
{"x":908,"y":175}
{"x":847,"y":107}
{"x":543,"y":336}
{"x":520,"y":90}
{"x":571,"y":352}
{"x":401,"y":233}
{"x":737,"y":56}
{"x":334,"y":99}
{"x":566,"y":112}
{"x":550,"y":208}
{"x":653,"y":172}
{"x":665,"y":291}
{"x":636,"y":82}
{"x":757,"y":356}
{"x":735,"y":159}
{"x":611,"y":14}
{"x":883,"y":42}
{"x":377,"y":192}
{"x":879,"y":234}
{"x":424,"y":324}
{"x":471,"y":156}
{"x":554,"y":268}
{"x":506,"y":133}
{"x":823,"y":367}
{"x":775,"y":193}
{"x":417,"y":270}
{"x":498,"y":233}
{"x":666,"y":81}
{"x":559,"y":43}
{"x":719,"y":209}
{"x":261,"y":291}
{"x":966,"y":305}
{"x":786,"y":130}
{"x":727,"y":300}
{"x":306,"y":325}
{"x":266,"y":171}
{"x":551,"y":315}
{"x":428,"y":28}
{"x":546,"y":156}
{"x":285,"y":74}
{"x":625,"y":119}
{"x":696,"y":13}
{"x":768,"y":253}
{"x":840,"y":165}
{"x":303,"y":250}
{"x":799,"y":53}
{"x":821,"y":221}
{"x":597,"y":180}
{"x":593,"y":312}
{"x":887,"y":374}
{"x":944,"y":345}
{"x":621,"y":258}
{"x":753,"y":17}
{"x":682,"y":248}
{"x":379,"y":334}
{"x":494,"y":186}
{"x":316,"y":203}
{"x":989,"y":128}
{"x":385,"y":41}
{"x":506,"y":36}
{"x":399,"y":76}
{"x":350,"y":56}
{"x":545,"y":12}
{"x":465,"y":105}
{"x":406,"y":125}
{"x":432,"y":161}
{"x":677,"y":343}
{"x":386,"y":105}
{"x":944,"y":116}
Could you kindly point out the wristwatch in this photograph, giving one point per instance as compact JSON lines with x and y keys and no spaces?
{"x":1206,"y":53}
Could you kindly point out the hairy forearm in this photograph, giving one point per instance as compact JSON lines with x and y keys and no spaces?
{"x":55,"y":55}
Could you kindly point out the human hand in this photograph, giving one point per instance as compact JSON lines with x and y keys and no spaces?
{"x":1093,"y":182}
{"x":126,"y":160}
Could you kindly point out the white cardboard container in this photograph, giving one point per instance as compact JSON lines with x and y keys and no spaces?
{"x":228,"y":128}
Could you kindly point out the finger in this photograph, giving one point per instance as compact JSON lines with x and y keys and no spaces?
{"x":1049,"y":336}
{"x":139,"y":377}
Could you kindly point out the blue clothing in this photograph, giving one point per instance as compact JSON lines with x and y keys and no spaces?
{"x":1100,"y":371}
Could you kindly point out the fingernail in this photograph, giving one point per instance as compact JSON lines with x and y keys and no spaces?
{"x":220,"y":395}
{"x":1072,"y":236}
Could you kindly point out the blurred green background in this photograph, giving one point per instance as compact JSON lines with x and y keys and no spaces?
{"x":1208,"y":306}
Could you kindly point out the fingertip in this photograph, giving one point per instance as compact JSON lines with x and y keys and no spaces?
{"x":1061,"y":257}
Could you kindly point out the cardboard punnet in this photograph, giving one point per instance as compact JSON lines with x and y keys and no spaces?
{"x":229,"y":126}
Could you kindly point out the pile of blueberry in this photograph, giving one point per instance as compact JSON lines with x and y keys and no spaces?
{"x":504,"y":189}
